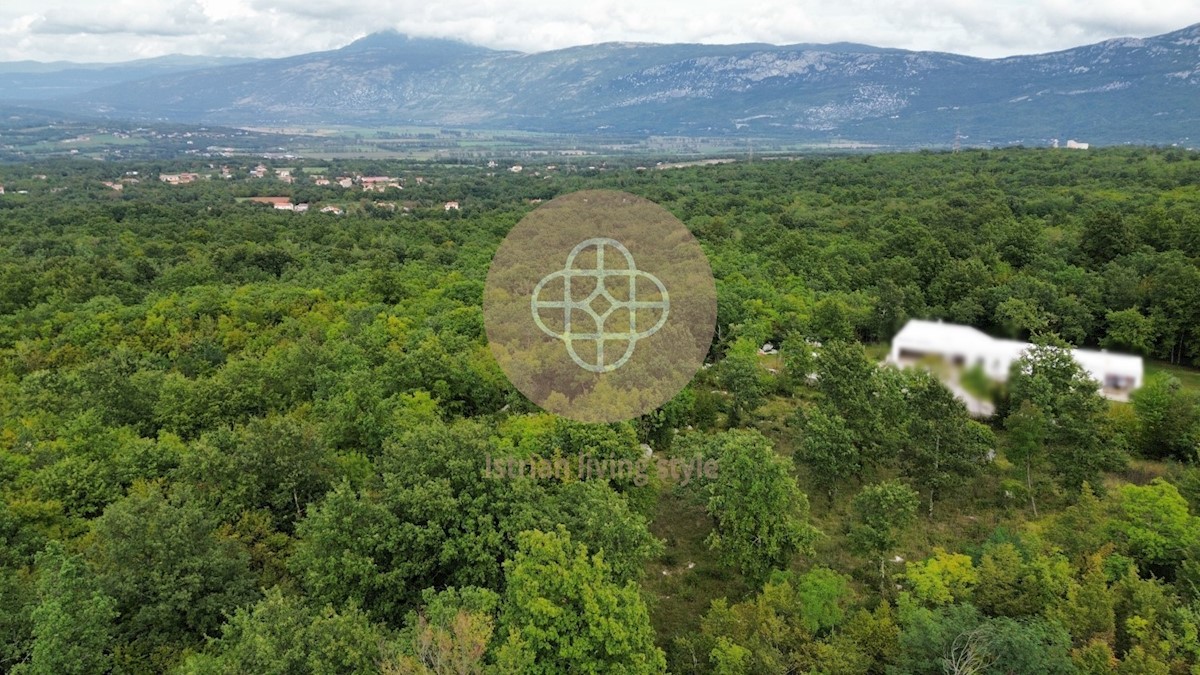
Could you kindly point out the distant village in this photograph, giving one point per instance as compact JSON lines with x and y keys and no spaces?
{"x":352,"y":181}
{"x":291,"y":187}
{"x":289,"y":176}
{"x":310,"y":176}
{"x":389,"y":189}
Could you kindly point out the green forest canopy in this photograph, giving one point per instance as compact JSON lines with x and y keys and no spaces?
{"x":234,"y":439}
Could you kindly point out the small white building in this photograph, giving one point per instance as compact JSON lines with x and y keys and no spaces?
{"x":964,"y":347}
{"x":1076,"y":145}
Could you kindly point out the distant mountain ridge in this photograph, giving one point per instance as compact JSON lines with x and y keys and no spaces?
{"x":1130,"y":90}
{"x":39,"y":81}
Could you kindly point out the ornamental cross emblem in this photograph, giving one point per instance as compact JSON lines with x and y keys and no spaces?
{"x":594,"y":326}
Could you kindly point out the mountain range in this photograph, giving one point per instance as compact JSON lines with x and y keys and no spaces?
{"x":1129,"y":90}
{"x":38,"y":81}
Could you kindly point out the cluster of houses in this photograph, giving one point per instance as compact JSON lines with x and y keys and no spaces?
{"x":378,"y":183}
{"x":286,"y":175}
{"x":178,"y":178}
{"x":281,"y":203}
{"x":289,"y":176}
{"x":285,"y":204}
{"x":130,"y":178}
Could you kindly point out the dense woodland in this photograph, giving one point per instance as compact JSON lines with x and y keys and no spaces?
{"x":239,"y":440}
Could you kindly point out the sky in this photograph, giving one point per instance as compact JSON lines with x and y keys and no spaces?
{"x":121,"y":30}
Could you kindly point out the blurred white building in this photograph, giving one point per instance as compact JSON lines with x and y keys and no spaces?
{"x":964,"y":347}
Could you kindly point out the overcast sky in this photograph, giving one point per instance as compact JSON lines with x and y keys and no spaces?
{"x":119,"y":30}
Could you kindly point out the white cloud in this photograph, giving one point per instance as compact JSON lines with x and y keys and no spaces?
{"x":84,"y":30}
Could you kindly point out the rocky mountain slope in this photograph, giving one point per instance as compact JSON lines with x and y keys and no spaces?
{"x":1118,"y":91}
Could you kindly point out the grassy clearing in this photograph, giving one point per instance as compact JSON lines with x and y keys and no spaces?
{"x":1188,"y":377}
{"x":877,"y":351}
{"x":686,"y":578}
{"x":1138,"y":472}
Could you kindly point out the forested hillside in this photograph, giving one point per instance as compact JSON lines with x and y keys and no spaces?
{"x":236,"y":439}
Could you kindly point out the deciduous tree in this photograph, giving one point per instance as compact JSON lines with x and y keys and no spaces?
{"x":945,"y":446}
{"x":563,"y":613}
{"x":882,"y":513}
{"x":1050,"y":379}
{"x":72,"y":622}
{"x":1027,"y":431}
{"x":760,"y":514}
